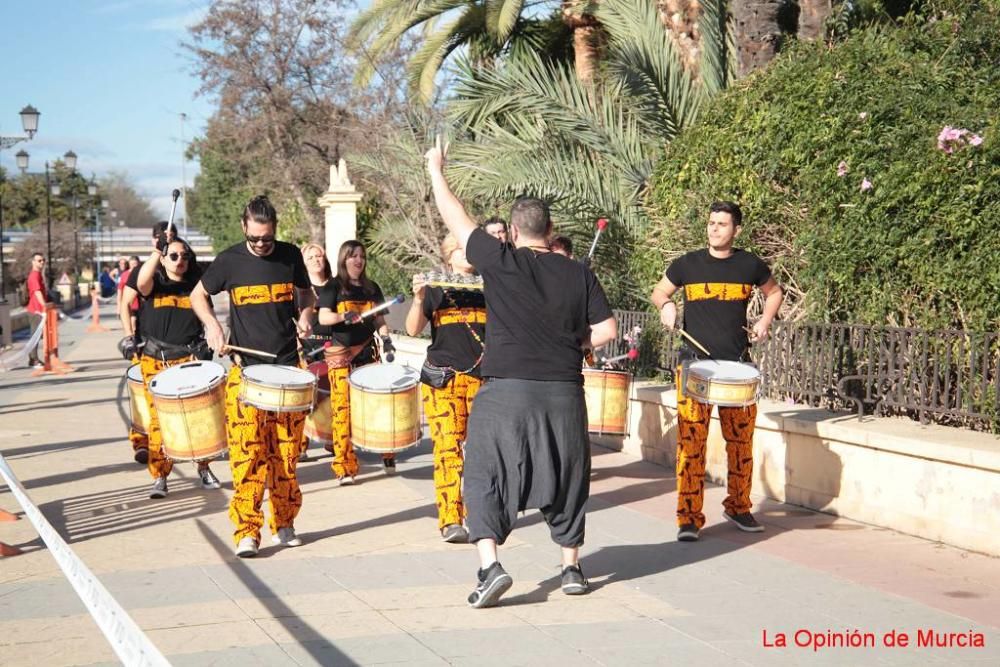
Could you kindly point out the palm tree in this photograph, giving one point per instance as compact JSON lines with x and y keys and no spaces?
{"x":532,"y":127}
{"x":485,"y":28}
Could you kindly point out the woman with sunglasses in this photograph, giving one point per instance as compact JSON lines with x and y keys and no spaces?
{"x":171,"y":333}
{"x":340,"y":301}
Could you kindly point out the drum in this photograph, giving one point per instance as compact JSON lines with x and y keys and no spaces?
{"x":725,"y":383}
{"x":137,"y":399}
{"x":190,"y":401}
{"x":606,"y":392}
{"x":319,"y":422}
{"x":385,"y":408}
{"x":277,"y":388}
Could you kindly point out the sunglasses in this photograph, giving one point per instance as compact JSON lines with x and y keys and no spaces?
{"x":174,"y":256}
{"x":259,"y":239}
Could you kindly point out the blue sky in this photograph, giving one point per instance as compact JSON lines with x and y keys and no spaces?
{"x":110,"y":79}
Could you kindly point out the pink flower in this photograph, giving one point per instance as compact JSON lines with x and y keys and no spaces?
{"x":863,"y":115}
{"x":866,"y":184}
{"x":842,"y":169}
{"x":975,"y":140}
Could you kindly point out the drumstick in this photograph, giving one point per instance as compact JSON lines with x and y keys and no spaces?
{"x":173,"y":208}
{"x":693,"y":341}
{"x":399,"y":298}
{"x":601,"y":224}
{"x":250,"y":350}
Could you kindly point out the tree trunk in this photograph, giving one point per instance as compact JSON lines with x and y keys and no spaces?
{"x":680,"y":18}
{"x":757,"y":32}
{"x":585,"y":50}
{"x":812,"y":18}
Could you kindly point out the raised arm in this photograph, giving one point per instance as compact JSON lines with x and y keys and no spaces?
{"x":452,"y":211}
{"x":415,"y":320}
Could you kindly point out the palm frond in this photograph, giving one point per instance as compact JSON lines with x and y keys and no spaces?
{"x":425,"y":64}
{"x":718,"y":46}
{"x":501,"y":17}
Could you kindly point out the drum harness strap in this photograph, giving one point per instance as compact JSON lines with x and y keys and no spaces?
{"x":168,"y":351}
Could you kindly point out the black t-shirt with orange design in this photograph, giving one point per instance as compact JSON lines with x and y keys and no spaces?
{"x":262,"y":308}
{"x":355,"y":298}
{"x":458,"y":327}
{"x":716,"y":294}
{"x":166,"y":313}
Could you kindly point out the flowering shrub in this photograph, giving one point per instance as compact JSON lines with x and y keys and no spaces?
{"x":868,"y":210}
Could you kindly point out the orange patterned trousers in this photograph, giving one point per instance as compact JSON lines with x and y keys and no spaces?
{"x":263,"y":450}
{"x":447,"y":411}
{"x":138,"y":440}
{"x":693,"y":418}
{"x":159,"y":465}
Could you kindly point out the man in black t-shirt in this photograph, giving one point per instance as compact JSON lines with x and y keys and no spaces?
{"x":269,"y":290}
{"x":718,"y":282}
{"x":527,"y":443}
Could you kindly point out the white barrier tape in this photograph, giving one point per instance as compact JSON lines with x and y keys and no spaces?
{"x":127,"y":639}
{"x":21,"y":356}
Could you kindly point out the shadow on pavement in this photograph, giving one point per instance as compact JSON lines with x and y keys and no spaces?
{"x":324,"y":653}
{"x":14,"y":452}
{"x":57,"y":403}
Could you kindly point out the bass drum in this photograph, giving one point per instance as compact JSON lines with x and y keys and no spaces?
{"x":385,"y":408}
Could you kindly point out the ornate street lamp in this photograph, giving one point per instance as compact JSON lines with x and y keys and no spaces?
{"x":29,"y":122}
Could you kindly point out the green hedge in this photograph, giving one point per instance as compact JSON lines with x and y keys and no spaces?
{"x":922,"y":246}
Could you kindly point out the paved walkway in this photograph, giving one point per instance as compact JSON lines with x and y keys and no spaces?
{"x":373,"y":584}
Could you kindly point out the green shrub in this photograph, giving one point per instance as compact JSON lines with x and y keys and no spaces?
{"x":921,"y":247}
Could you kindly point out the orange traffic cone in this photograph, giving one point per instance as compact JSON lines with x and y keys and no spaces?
{"x":95,"y":309}
{"x":53,"y":364}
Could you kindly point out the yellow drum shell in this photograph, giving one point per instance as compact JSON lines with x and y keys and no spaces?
{"x":137,"y":400}
{"x":319,"y":423}
{"x":384,"y":420}
{"x":275,"y":396}
{"x":606,"y":392}
{"x":730,"y":383}
{"x":193,"y":427}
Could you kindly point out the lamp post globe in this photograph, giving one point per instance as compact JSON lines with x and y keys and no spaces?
{"x":29,"y":120}
{"x":22,"y":160}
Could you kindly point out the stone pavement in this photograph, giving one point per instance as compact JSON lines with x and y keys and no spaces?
{"x":374,"y":584}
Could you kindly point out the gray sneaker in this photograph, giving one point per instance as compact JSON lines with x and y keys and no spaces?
{"x":159,"y":489}
{"x":247,"y":548}
{"x":573,"y":581}
{"x":286,"y":537}
{"x":493,"y":582}
{"x":455,"y":533}
{"x":208,"y":479}
{"x":745,"y":522}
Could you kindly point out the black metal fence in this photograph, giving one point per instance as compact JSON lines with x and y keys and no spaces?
{"x":942,"y":376}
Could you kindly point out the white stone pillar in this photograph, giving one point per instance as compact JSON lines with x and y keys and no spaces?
{"x":340,"y":203}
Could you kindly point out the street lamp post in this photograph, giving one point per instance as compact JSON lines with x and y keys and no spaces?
{"x":29,"y":123}
{"x":70,"y":161}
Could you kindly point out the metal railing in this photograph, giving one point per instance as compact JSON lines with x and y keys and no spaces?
{"x":943,"y":376}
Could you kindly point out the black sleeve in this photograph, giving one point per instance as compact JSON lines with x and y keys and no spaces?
{"x":133,"y":278}
{"x":326,"y":296}
{"x":432,"y":301}
{"x":675,"y":272}
{"x":482,"y":250}
{"x":214,"y":279}
{"x":598,"y":308}
{"x":300,"y":277}
{"x":762,"y":272}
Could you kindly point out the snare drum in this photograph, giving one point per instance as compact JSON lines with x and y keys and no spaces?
{"x":606,"y":392}
{"x":190,"y":401}
{"x":137,"y":399}
{"x":277,"y":388}
{"x":385,"y":408}
{"x":725,"y":383}
{"x":319,"y":423}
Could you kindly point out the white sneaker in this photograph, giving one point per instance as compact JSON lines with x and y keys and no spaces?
{"x":159,"y":489}
{"x":346,"y":480}
{"x":247,"y":548}
{"x":286,"y":537}
{"x":208,"y":479}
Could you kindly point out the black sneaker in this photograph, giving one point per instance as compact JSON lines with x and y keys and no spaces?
{"x":389,"y":465}
{"x":688,"y":533}
{"x":493,"y":582}
{"x":745,"y":522}
{"x":455,"y":533}
{"x":141,"y":456}
{"x":573,"y":581}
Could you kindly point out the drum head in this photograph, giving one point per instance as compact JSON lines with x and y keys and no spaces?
{"x":135,"y":373}
{"x":320,"y":370}
{"x":273,"y":375}
{"x":187,"y":379}
{"x":387,"y":378}
{"x":723,"y":371}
